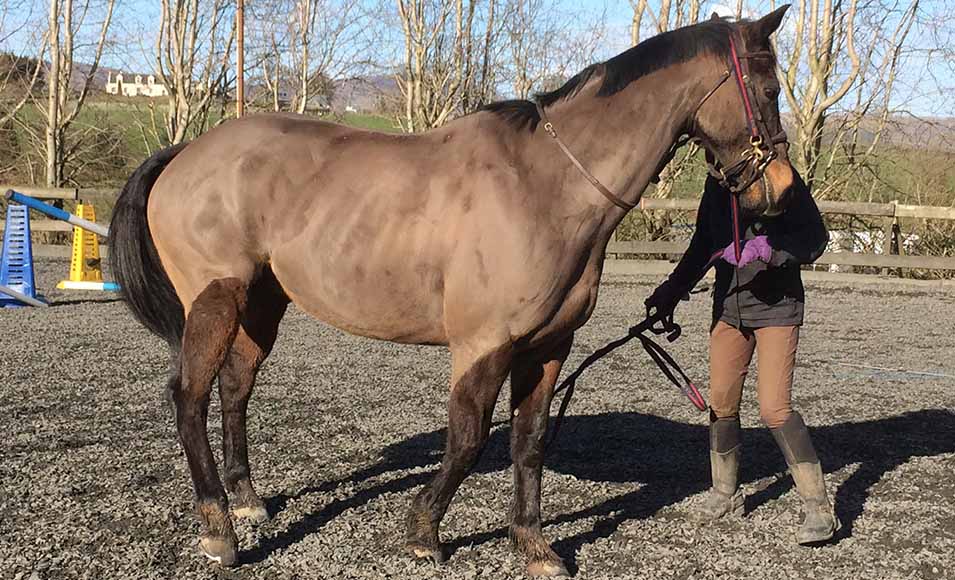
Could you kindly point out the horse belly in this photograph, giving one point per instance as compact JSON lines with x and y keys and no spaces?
{"x":398,"y":302}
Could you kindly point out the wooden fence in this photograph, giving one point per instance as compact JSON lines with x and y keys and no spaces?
{"x":887,"y":213}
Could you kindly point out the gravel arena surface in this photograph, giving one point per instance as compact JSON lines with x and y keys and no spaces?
{"x":345,"y":430}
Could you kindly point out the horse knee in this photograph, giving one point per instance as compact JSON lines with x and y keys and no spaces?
{"x":467,"y":450}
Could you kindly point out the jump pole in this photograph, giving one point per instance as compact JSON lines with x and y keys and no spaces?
{"x":59,"y":214}
{"x":22,"y":297}
{"x":56,"y":213}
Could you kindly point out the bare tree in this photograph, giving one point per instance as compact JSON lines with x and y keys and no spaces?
{"x":20,"y":71}
{"x":303,"y":45}
{"x":670,"y":14}
{"x":484,"y":67}
{"x":68,"y":86}
{"x":532,"y":31}
{"x":548,"y":42}
{"x":818,"y":66}
{"x":437,"y":72}
{"x":192,"y":56}
{"x":855,"y":134}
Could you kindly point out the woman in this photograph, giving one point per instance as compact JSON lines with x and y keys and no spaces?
{"x":757,"y":306}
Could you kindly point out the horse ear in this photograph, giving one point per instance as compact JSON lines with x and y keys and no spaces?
{"x":767,"y":25}
{"x":715,"y":16}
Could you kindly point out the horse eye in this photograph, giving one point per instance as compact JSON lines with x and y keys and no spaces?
{"x":772,"y":93}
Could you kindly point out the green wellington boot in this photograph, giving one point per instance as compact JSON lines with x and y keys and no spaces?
{"x":724,"y":497}
{"x":820,"y":522}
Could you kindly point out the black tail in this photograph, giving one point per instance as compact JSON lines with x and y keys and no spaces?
{"x":133,"y":259}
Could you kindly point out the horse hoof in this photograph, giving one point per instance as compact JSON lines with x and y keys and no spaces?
{"x":256,"y":514}
{"x":423,"y":552}
{"x":222,"y":551}
{"x":547,"y":569}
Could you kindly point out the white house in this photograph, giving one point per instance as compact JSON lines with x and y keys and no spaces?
{"x":120,"y":86}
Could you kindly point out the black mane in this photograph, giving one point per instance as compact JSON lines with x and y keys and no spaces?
{"x":656,"y":53}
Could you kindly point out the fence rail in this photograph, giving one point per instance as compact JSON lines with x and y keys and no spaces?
{"x":889,"y":213}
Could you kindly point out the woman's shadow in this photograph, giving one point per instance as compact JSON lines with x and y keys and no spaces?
{"x":667,"y":459}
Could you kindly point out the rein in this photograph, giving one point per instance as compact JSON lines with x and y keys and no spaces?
{"x":664,"y":361}
{"x":757,"y":157}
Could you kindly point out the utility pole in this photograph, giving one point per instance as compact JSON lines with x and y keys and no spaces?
{"x":240,"y":59}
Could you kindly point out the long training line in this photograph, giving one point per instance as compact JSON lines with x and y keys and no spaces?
{"x":888,"y":370}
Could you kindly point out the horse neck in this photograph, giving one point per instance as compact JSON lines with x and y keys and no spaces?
{"x":621,"y":139}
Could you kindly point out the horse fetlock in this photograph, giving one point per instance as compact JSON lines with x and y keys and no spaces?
{"x":421,"y":537}
{"x":246,"y":504}
{"x":542,"y":561}
{"x":214,"y":517}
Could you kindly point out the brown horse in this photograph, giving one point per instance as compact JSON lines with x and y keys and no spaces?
{"x":481,"y":235}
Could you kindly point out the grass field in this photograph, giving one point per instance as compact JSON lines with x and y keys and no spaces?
{"x":115,"y":134}
{"x":112,"y":137}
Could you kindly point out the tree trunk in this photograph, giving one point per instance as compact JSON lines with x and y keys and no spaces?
{"x":53,"y":99}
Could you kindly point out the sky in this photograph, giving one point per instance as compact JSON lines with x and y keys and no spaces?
{"x":922,"y":89}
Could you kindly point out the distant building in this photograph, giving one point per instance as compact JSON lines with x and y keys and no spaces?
{"x":138,"y":88}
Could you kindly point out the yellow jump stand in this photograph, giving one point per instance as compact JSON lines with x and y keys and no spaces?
{"x":85,"y":271}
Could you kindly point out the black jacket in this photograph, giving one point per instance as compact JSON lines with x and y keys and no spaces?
{"x":759,"y":294}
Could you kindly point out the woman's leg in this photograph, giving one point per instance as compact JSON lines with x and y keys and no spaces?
{"x":775,"y":360}
{"x":776,"y":352}
{"x":731,"y":351}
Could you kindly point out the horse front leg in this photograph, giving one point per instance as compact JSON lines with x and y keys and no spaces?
{"x":532,"y":389}
{"x":476,"y":382}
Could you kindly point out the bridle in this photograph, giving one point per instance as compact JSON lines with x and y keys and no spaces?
{"x":762,"y":142}
{"x":736,"y":177}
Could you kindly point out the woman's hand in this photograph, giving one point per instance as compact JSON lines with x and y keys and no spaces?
{"x":664,"y":299}
{"x":757,"y":248}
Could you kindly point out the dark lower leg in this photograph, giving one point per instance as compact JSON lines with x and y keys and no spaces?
{"x":532,"y":389}
{"x":209,"y":332}
{"x":469,"y":422}
{"x":253,"y":343}
{"x":235,"y":387}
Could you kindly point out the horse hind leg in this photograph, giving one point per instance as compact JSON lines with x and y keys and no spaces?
{"x":210,"y":330}
{"x":476,"y":383}
{"x":253,"y":343}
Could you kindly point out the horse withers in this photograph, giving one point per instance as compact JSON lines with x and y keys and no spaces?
{"x":481,"y":236}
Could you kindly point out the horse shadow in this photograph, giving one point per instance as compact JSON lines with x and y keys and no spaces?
{"x":667,"y":459}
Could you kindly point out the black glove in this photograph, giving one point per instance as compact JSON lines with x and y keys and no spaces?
{"x":665,"y":299}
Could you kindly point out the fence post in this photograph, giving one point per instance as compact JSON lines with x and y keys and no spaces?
{"x":888,"y":227}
